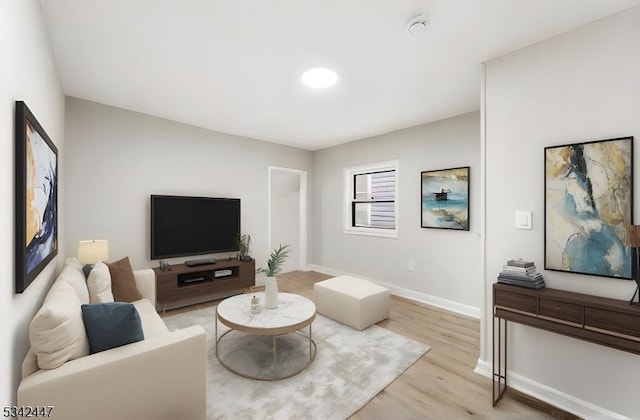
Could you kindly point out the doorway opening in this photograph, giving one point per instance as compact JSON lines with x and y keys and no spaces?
{"x":287,"y":214}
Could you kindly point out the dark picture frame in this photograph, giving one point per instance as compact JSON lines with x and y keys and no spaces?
{"x":444,"y":198}
{"x":36,"y":198}
{"x":588,"y":200}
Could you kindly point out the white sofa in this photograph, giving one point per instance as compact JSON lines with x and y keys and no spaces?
{"x":160,"y":377}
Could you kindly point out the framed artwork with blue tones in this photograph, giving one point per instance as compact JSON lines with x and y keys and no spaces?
{"x":445,"y":198}
{"x":588,"y":194}
{"x":36,"y":198}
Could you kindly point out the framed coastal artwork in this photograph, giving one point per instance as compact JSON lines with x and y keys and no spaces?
{"x":444,"y":200}
{"x":588,"y":200}
{"x":36,"y":198}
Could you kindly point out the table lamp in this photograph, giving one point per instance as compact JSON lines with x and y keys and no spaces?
{"x":633,"y":242}
{"x":90,"y":252}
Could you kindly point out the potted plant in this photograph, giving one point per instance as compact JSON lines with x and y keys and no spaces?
{"x":244,"y":246}
{"x":274,"y":266}
{"x":275,"y":261}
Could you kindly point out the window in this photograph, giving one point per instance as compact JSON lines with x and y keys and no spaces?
{"x":371,"y":204}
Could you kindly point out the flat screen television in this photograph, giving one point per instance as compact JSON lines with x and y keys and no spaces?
{"x":184,"y":226}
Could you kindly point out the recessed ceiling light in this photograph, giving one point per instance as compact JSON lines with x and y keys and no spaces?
{"x":319,"y":78}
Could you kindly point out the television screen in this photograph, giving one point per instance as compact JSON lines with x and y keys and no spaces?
{"x":183,"y":226}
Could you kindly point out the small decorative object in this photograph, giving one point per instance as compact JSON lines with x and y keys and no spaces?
{"x":274,"y":265}
{"x":445,"y":198}
{"x":36,"y":198}
{"x":255,"y":305}
{"x":588,"y":201}
{"x":520,"y":272}
{"x":633,"y":242}
{"x":244,"y":246}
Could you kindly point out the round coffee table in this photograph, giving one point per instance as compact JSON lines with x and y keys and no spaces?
{"x":293,"y":313}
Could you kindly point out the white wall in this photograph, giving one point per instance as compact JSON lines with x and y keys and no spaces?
{"x":583,"y":85}
{"x":27,"y":73}
{"x":117,"y":158}
{"x":439,"y":277}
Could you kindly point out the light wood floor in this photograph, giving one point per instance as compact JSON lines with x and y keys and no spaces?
{"x":441,"y":384}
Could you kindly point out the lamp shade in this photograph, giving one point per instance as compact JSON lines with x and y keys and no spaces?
{"x":90,"y":252}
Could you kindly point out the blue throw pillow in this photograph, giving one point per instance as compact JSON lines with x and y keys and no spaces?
{"x":110,"y":325}
{"x":86,"y":269}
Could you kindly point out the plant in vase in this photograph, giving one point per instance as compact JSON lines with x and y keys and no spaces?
{"x":244,"y":246}
{"x":274,"y":266}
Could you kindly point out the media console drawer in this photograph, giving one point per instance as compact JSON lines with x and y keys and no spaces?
{"x":562,"y":311}
{"x":618,"y":323}
{"x":517,"y":301}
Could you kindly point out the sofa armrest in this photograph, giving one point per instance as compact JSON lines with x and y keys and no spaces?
{"x":146,"y":283}
{"x":160,"y":378}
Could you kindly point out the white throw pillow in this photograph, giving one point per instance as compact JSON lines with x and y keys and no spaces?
{"x":99,"y":284}
{"x":72,"y":274}
{"x":73,"y":261}
{"x":57,"y":331}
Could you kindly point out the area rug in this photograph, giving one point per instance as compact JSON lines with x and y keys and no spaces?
{"x":350,"y":368}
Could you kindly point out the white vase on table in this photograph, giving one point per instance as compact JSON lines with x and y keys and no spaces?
{"x":271,"y":292}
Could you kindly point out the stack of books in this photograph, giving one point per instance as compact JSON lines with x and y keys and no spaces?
{"x":519,"y":272}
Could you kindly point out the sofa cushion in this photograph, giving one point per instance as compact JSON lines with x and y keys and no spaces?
{"x":152,"y":324}
{"x":72,"y":274}
{"x":111,"y":325}
{"x":99,"y":284}
{"x":57,"y":331}
{"x":123,"y":281}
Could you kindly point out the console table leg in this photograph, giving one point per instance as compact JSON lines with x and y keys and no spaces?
{"x":499,"y":379}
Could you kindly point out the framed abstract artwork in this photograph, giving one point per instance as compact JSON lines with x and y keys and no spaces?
{"x":588,"y":200}
{"x":36,"y":198}
{"x":444,"y":200}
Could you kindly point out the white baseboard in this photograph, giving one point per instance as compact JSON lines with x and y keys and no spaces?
{"x":409,"y":294}
{"x":550,"y":395}
{"x":484,"y":368}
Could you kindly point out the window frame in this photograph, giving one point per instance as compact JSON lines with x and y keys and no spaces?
{"x":349,"y":199}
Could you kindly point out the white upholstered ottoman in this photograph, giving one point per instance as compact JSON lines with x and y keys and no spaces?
{"x":352,"y":301}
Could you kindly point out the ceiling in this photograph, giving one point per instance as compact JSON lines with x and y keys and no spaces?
{"x":234,"y":66}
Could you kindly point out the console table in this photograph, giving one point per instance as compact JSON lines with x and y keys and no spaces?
{"x":609,"y":322}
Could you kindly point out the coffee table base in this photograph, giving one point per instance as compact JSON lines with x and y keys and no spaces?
{"x":275,"y":377}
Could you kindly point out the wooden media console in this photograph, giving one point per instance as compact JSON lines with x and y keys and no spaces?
{"x":183,"y":282}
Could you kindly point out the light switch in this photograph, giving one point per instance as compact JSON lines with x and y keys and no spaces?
{"x":523,"y":219}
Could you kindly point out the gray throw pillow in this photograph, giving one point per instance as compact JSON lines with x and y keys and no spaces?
{"x":110,"y":325}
